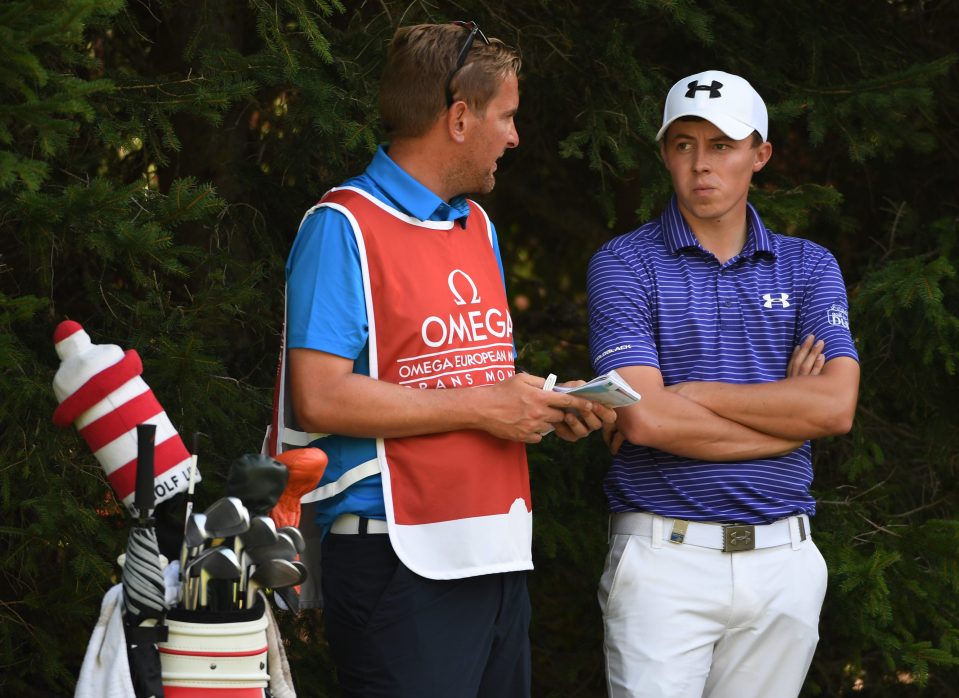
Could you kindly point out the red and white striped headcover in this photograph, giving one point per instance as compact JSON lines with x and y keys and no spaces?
{"x":100,"y":390}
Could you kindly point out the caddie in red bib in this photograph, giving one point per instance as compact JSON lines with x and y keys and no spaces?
{"x":458,"y":503}
{"x":399,"y":366}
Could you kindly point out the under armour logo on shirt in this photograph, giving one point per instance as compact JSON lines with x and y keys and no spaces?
{"x":712,"y":88}
{"x":772,"y":298}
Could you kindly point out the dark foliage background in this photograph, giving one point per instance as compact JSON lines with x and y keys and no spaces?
{"x":156,"y":157}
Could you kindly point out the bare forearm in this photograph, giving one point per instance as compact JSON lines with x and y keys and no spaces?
{"x":673,"y":424}
{"x":356,"y":405}
{"x":799,"y":407}
{"x":329,"y":398}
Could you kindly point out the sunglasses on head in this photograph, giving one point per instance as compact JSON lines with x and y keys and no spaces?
{"x":464,"y":51}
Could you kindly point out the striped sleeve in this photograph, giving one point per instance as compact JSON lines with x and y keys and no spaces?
{"x":825,"y":309}
{"x":620,"y":313}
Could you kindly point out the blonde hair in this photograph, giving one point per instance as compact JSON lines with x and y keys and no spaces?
{"x":420,"y":61}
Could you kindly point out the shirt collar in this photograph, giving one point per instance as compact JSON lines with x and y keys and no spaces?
{"x":678,"y":235}
{"x":758,"y":240}
{"x":409,"y":195}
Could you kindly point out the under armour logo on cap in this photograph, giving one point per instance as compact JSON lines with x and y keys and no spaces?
{"x":712,"y":88}
{"x":727,"y":101}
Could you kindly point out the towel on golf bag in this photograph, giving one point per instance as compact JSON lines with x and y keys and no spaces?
{"x":281,"y":679}
{"x":105,"y":672}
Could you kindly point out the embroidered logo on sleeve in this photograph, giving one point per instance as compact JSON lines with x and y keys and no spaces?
{"x":621,"y":347}
{"x":837,"y":315}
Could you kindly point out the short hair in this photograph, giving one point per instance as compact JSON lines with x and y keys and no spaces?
{"x":420,"y":60}
{"x":757,"y":137}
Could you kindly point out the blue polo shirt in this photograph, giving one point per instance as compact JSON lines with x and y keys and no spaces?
{"x":657,"y":298}
{"x":326,"y":309}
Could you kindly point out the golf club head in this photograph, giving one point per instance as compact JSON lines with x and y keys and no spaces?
{"x":221,"y":562}
{"x":302,"y":568}
{"x":281,"y":549}
{"x":274,"y":574}
{"x":196,"y":533}
{"x":278,"y":573}
{"x":226,"y":517}
{"x":218,"y":562}
{"x":289,"y":597}
{"x":295,"y":535}
{"x":262,"y":532}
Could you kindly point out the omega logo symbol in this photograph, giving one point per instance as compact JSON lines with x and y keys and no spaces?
{"x":457,"y":296}
{"x":466,"y":325}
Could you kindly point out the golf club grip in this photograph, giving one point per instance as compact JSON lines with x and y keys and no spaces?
{"x":143,"y":496}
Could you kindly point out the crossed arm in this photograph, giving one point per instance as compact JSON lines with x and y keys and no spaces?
{"x":727,"y":422}
{"x":329,"y":398}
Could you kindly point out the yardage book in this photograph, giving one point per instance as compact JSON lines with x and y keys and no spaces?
{"x":609,"y":389}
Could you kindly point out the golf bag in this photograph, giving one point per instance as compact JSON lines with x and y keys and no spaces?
{"x":214,"y":654}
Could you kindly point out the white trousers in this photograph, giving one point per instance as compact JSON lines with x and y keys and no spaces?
{"x":689,"y":622}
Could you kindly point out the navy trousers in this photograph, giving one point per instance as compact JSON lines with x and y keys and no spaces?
{"x":394,"y":634}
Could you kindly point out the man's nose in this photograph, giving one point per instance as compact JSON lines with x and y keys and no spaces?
{"x":701,"y":162}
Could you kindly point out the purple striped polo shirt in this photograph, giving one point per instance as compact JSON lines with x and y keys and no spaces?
{"x":657,"y":298}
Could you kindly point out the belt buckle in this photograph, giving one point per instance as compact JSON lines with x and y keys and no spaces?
{"x":736,"y":539}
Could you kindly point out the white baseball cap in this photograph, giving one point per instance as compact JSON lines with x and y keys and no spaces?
{"x":727,"y":101}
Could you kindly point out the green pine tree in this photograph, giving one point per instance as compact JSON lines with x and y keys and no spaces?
{"x":156,"y":158}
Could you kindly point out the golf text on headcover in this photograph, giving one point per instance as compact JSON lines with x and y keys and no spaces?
{"x":100,"y":390}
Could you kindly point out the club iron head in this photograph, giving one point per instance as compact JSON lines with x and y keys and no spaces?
{"x":274,"y":574}
{"x":221,"y":562}
{"x":262,"y":531}
{"x":281,"y":549}
{"x":218,"y":562}
{"x":226,"y":517}
{"x":295,"y":535}
{"x":196,"y":534}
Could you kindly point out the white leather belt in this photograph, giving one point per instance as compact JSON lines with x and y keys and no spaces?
{"x":729,"y":538}
{"x":351,"y":524}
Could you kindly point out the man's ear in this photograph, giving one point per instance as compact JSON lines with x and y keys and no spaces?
{"x":763,"y":153}
{"x":457,"y":121}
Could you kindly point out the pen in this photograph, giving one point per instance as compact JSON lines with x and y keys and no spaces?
{"x":547,"y":386}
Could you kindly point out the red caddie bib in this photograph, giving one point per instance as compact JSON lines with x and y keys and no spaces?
{"x":458,"y":503}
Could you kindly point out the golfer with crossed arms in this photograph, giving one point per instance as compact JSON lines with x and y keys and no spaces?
{"x":738,"y":340}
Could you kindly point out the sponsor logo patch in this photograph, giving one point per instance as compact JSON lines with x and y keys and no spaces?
{"x":771,"y":299}
{"x":712,"y":88}
{"x":837,"y":315}
{"x":621,"y":347}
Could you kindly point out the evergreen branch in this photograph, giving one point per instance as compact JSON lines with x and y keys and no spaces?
{"x":884,"y":84}
{"x":189,"y":80}
{"x":106,"y":302}
{"x":892,"y":230}
{"x":22,"y":622}
{"x":879,"y":527}
{"x":181,"y":210}
{"x":930,"y":505}
{"x":849,"y":500}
